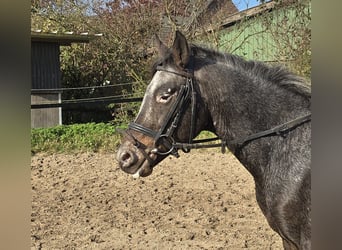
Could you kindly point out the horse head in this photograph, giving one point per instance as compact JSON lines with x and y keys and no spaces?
{"x":171,"y":111}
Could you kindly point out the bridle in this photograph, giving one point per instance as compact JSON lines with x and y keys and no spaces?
{"x":165,"y":135}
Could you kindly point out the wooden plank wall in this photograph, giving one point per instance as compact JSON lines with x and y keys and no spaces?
{"x":45,"y":65}
{"x":45,"y":74}
{"x":49,"y":117}
{"x":253,"y":38}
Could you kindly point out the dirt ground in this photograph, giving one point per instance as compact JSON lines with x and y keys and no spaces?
{"x":202,"y":200}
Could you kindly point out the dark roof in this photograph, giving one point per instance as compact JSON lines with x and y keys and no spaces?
{"x":248,"y":13}
{"x":218,"y":9}
{"x":213,"y":11}
{"x":62,"y":38}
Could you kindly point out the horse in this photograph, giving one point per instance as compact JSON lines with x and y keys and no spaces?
{"x":261,"y":113}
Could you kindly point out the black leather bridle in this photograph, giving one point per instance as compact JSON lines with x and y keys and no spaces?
{"x":164,"y":137}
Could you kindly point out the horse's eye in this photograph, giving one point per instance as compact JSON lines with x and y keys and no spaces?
{"x":164,"y":98}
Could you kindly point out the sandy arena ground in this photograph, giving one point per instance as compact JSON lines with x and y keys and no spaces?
{"x":202,"y":200}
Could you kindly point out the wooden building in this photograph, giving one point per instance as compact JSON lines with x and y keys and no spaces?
{"x":46,"y":75}
{"x":270,"y":32}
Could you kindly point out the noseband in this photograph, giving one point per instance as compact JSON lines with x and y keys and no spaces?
{"x":164,"y":137}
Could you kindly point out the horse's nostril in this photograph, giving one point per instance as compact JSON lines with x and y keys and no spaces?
{"x":127,"y":159}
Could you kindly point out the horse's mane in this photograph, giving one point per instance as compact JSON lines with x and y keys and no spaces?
{"x":275,"y":74}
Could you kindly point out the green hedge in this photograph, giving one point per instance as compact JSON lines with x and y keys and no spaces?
{"x":88,"y":137}
{"x":77,"y":137}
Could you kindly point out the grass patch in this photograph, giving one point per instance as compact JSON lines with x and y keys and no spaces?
{"x":91,"y":137}
{"x":204,"y":135}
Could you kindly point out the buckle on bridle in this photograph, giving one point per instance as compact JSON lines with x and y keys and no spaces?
{"x":168,"y":142}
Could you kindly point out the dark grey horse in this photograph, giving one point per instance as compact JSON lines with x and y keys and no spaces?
{"x":261,"y":113}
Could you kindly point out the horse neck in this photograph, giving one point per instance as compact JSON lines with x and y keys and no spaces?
{"x":242,"y":103}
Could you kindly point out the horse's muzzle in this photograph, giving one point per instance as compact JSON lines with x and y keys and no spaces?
{"x":132,"y":161}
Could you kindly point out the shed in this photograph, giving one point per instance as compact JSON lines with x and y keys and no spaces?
{"x":46,"y":75}
{"x":270,"y":32}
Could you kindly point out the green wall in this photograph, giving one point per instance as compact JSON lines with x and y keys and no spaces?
{"x":270,"y":37}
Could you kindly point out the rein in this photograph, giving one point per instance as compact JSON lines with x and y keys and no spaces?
{"x":280,"y":130}
{"x":165,"y":135}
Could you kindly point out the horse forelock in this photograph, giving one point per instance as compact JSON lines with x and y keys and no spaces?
{"x":162,"y":61}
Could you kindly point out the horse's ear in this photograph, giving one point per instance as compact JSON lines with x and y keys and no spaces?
{"x":180,"y":50}
{"x":160,"y":46}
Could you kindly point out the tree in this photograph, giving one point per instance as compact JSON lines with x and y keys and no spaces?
{"x":115,"y":58}
{"x":123,"y":54}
